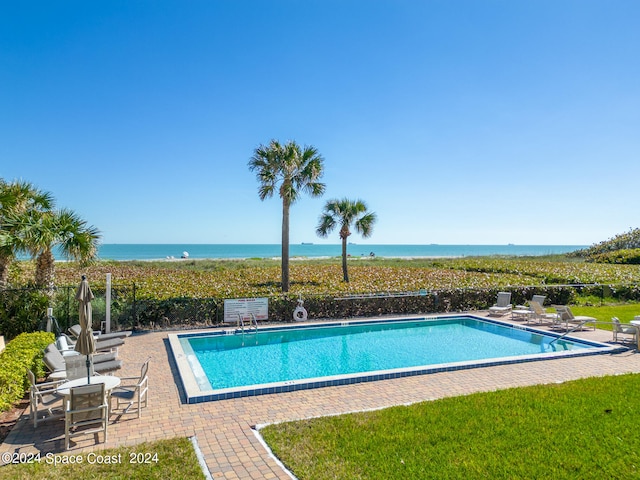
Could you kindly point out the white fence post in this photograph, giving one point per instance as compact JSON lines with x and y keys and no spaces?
{"x":107,"y":311}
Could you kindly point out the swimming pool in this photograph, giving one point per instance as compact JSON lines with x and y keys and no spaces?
{"x":231,"y":363}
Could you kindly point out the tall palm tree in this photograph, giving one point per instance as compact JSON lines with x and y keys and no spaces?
{"x":291,"y":170}
{"x":346,"y":213}
{"x":17,"y":199}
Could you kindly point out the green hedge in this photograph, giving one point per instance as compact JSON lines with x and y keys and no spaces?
{"x":21,"y":311}
{"x":198,"y":312}
{"x":22,"y":353}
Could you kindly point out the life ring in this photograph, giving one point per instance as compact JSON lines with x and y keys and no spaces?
{"x":300,"y":314}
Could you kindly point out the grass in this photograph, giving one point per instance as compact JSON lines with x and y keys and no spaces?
{"x":586,"y":429}
{"x":624,"y":312}
{"x":176,"y":459}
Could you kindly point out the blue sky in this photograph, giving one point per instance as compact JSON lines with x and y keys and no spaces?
{"x":458,"y":122}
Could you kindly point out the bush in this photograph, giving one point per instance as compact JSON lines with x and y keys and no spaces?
{"x":22,"y":311}
{"x":629,"y":256}
{"x":22,"y":353}
{"x":623,"y":241}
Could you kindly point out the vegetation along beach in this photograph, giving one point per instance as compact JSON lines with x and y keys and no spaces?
{"x":359,"y":239}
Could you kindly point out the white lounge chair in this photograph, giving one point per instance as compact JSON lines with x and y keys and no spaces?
{"x":568,"y":318}
{"x":540,"y":299}
{"x":503,"y":304}
{"x":623,"y":329}
{"x":75,"y":330}
{"x":541,"y":316}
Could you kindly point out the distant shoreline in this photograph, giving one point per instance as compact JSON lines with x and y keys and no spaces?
{"x":174,"y":252}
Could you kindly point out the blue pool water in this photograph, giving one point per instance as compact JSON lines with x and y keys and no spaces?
{"x":290,"y":358}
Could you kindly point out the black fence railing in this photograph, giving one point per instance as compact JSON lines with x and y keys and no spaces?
{"x":25,"y":309}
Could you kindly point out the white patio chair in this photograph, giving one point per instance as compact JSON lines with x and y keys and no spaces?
{"x":133,"y":390}
{"x":44,"y":395}
{"x":86,"y":412}
{"x":623,"y":329}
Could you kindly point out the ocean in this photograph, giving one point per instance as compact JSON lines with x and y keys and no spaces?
{"x":219,"y":251}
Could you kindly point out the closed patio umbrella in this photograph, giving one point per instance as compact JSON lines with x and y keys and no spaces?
{"x":85,"y":345}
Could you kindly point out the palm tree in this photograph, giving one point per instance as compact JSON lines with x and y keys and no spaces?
{"x":291,"y":170}
{"x":39,"y":232}
{"x":17,"y":199}
{"x":346,"y":213}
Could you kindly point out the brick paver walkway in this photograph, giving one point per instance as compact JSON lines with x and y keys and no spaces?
{"x":223,"y":429}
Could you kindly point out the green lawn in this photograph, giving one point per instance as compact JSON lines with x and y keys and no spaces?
{"x":624,"y":312}
{"x":165,"y":459}
{"x":586,"y":429}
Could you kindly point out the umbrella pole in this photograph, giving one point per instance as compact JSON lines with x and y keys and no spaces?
{"x":88,"y":371}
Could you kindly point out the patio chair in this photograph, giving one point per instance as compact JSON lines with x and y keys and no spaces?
{"x":623,"y":329}
{"x":76,"y":367}
{"x":74,"y":331}
{"x":567,"y":316}
{"x":133,"y":390}
{"x":54,"y":361}
{"x":86,"y":412}
{"x":103,"y":363}
{"x":106,"y":345}
{"x":44,"y":395}
{"x":540,"y":299}
{"x":503,"y":304}
{"x":541,"y":316}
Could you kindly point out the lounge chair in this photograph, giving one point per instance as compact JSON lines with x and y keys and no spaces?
{"x":106,"y":345}
{"x":55,"y":362}
{"x":75,"y":330}
{"x":540,"y":299}
{"x":503,"y":304}
{"x":133,"y":390}
{"x":541,"y":316}
{"x":624,"y":329}
{"x":44,"y":394}
{"x":86,"y":413}
{"x":567,"y":317}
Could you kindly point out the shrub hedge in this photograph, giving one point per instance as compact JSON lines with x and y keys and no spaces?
{"x":630,"y":256}
{"x":22,"y":310}
{"x":22,"y":353}
{"x":187,"y":312}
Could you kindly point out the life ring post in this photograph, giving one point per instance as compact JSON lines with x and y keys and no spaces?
{"x":300,"y":313}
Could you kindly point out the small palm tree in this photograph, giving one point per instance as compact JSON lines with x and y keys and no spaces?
{"x":41,"y":232}
{"x":17,"y":199}
{"x":346,"y":213}
{"x":290,"y":170}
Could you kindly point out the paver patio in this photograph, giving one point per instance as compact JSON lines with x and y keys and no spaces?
{"x":223,"y":429}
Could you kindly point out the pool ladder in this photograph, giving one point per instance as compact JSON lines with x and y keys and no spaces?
{"x":253,"y":323}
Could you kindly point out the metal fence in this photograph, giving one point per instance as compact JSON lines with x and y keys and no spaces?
{"x":25,"y":309}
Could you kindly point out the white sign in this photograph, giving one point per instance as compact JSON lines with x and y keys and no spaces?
{"x":259,"y":307}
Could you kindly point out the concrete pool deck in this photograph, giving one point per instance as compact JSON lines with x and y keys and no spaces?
{"x":223,"y":429}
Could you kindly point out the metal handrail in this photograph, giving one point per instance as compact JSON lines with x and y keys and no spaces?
{"x":252,"y":321}
{"x":580,"y":325}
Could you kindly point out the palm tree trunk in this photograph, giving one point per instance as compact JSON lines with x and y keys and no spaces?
{"x":4,"y":271}
{"x":345,"y":273}
{"x":285,"y":245}
{"x":45,"y":270}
